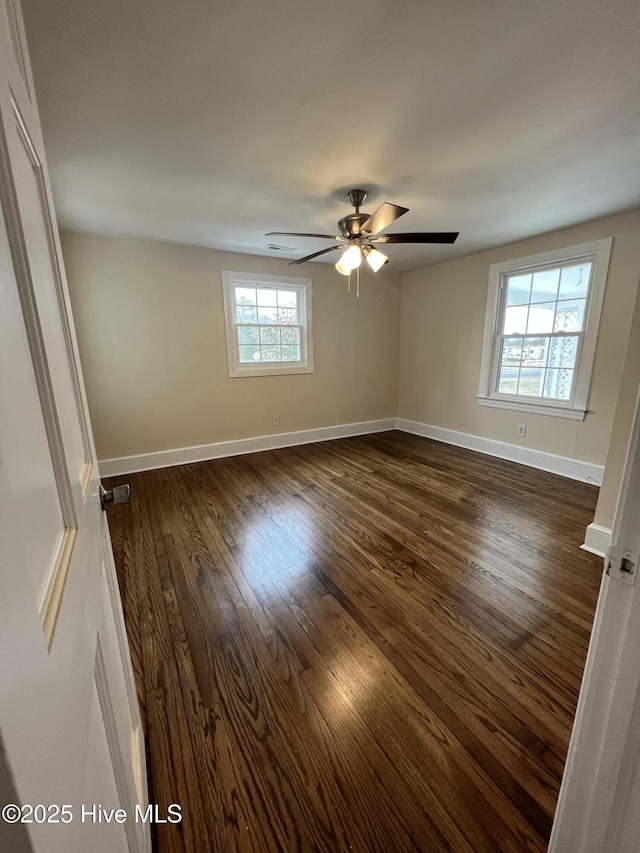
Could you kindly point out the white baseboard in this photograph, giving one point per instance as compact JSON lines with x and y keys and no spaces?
{"x":202,"y":452}
{"x":597,"y":539}
{"x":572,"y":468}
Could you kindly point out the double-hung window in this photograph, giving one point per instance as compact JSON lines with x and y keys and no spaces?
{"x":541,"y":329}
{"x":268,"y":323}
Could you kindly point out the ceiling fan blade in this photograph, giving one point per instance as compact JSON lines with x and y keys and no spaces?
{"x":300,"y":234}
{"x":418,"y":237}
{"x":315,"y":255}
{"x":383,"y":216}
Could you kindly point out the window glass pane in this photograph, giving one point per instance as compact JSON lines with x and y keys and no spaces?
{"x":530,"y":383}
{"x":508,"y":379}
{"x":246,"y":314}
{"x":249,"y":353}
{"x":570,"y":316}
{"x":574,"y":281}
{"x":287,"y":299}
{"x":518,"y":289}
{"x":511,"y":350}
{"x":515,"y":319}
{"x":267,"y":297}
{"x":270,"y":353}
{"x":545,"y":285}
{"x":245,"y":296}
{"x":562,"y":352}
{"x":269,"y":335}
{"x":288,"y":316}
{"x":248,"y":334}
{"x":557,"y":384}
{"x":541,"y":317}
{"x":268,"y":315}
{"x":290,"y":336}
{"x":534,"y":352}
{"x":290,"y":353}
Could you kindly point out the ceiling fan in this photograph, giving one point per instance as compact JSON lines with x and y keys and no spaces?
{"x":360,"y":232}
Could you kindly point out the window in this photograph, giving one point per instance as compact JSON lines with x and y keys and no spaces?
{"x":268,"y":320}
{"x":541,"y":328}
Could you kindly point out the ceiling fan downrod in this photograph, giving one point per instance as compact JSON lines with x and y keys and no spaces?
{"x":357,"y":198}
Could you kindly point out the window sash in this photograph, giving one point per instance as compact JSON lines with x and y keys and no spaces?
{"x":497,"y":364}
{"x":301,"y":342}
{"x":296,"y":289}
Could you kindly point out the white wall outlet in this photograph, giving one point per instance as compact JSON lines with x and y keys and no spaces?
{"x":275,"y":420}
{"x":522,"y":430}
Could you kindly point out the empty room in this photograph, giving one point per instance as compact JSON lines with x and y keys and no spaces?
{"x":319,"y":427}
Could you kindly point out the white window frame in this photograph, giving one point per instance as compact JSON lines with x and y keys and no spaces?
{"x":598,"y":252}
{"x":302,"y":286}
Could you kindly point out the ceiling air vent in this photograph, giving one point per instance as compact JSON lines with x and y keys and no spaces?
{"x":273,"y":247}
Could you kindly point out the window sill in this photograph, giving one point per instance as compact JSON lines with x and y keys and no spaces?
{"x":275,"y":370}
{"x":535,"y":408}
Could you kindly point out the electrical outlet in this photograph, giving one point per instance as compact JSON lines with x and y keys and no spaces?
{"x":275,"y":420}
{"x":522,"y":430}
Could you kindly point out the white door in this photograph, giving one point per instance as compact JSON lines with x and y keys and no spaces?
{"x":70,"y":734}
{"x":599,"y":804}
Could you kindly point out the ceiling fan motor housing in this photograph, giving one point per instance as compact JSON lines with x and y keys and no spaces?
{"x":350,"y":225}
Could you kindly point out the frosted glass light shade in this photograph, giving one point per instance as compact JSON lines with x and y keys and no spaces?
{"x":352,"y":257}
{"x":375,"y":259}
{"x":350,"y":260}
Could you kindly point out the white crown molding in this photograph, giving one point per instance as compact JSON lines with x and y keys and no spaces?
{"x":597,"y":539}
{"x":202,"y":452}
{"x":575,"y":469}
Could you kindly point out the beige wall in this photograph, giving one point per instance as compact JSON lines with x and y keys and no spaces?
{"x":150,"y":324}
{"x":625,"y":410}
{"x":442,"y":326}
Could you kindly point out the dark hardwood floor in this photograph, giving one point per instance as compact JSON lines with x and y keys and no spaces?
{"x":370,"y":644}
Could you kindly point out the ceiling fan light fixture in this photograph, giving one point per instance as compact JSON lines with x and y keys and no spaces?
{"x":374,"y":258}
{"x":350,"y":260}
{"x":342,"y":268}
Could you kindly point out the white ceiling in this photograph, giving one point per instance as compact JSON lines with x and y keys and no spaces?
{"x":210,"y":122}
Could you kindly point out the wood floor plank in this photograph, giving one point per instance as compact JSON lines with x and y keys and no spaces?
{"x":426,"y":613}
{"x":370,"y":644}
{"x":336,"y":645}
{"x":246,"y":693}
{"x":465,"y":578}
{"x":484,"y":625}
{"x":169,"y":747}
{"x":516,"y":741}
{"x":510,"y":740}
